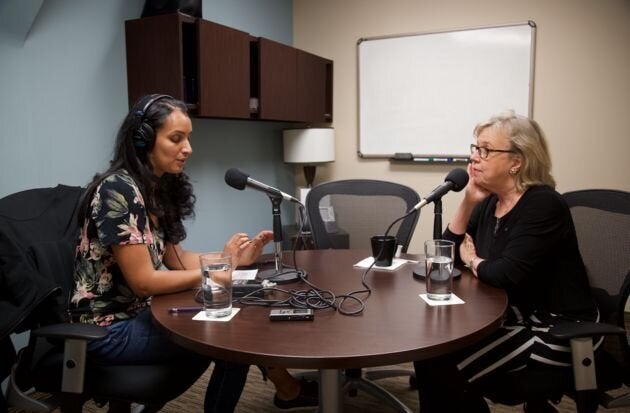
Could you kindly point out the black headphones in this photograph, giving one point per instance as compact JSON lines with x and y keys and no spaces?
{"x":144,"y":134}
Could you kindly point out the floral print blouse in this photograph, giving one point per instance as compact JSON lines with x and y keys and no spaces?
{"x":116,"y":216}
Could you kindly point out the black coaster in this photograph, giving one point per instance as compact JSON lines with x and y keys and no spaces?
{"x":419,"y":272}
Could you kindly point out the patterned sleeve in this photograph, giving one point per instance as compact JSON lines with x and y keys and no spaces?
{"x":119,"y":212}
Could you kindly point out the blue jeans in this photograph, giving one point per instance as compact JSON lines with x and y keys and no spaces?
{"x":138,"y":341}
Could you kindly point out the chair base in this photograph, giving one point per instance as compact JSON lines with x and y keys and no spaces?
{"x":611,"y":402}
{"x":21,"y":399}
{"x":387,"y":373}
{"x":377,"y":391}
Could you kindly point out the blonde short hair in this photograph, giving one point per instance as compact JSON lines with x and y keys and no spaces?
{"x":528,"y":140}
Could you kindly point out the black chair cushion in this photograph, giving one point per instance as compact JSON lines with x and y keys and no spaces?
{"x":527,"y":384}
{"x":145,"y":384}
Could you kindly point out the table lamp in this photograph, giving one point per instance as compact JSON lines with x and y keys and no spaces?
{"x":309,"y":147}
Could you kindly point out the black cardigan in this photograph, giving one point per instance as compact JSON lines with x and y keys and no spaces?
{"x":532,"y":253}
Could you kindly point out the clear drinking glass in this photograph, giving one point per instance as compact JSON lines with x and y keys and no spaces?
{"x":439,"y":256}
{"x":216,"y":283}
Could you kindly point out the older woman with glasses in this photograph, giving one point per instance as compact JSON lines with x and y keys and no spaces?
{"x":515,"y":232}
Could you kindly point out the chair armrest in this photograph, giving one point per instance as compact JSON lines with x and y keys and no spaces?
{"x":77,"y":331}
{"x":568,"y":330}
{"x":75,"y":337}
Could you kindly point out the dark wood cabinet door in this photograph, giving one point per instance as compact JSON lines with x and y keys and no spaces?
{"x":314,"y":86}
{"x":277,"y":81}
{"x":217,"y":70}
{"x":154,"y":63}
{"x":224,"y":65}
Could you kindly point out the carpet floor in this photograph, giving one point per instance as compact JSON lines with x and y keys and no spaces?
{"x":258,"y":395}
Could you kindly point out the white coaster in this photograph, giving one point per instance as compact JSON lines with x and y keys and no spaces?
{"x":366,"y":262}
{"x":451,"y":301}
{"x":201,"y":316}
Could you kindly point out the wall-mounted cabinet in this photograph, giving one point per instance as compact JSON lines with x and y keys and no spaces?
{"x":293,"y":84}
{"x":226,"y":73}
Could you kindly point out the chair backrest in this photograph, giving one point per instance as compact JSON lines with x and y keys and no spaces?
{"x":602,"y":224}
{"x":38,"y":231}
{"x":361,"y":208}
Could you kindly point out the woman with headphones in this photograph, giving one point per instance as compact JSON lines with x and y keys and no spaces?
{"x":131,"y":228}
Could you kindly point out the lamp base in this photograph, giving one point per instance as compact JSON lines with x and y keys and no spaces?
{"x":309,"y":175}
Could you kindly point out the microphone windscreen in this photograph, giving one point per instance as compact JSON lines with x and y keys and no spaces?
{"x":236,"y":179}
{"x":459,"y":178}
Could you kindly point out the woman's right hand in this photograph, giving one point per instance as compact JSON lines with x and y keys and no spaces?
{"x":474,"y":193}
{"x":234,"y":246}
{"x":251,"y":251}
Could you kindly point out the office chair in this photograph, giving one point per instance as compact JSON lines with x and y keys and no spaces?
{"x":602,"y":222}
{"x":345,"y":214}
{"x":38,"y":233}
{"x":360,"y":208}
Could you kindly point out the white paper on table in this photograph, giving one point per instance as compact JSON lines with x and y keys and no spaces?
{"x":451,"y":301}
{"x":244,"y":274}
{"x":201,"y":316}
{"x":366,"y":262}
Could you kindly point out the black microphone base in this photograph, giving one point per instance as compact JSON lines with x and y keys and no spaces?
{"x":420,"y":273}
{"x":286,"y":276}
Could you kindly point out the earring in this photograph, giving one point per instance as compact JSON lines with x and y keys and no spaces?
{"x":513,"y":171}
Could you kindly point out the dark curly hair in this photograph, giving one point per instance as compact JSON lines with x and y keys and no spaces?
{"x":170,"y":197}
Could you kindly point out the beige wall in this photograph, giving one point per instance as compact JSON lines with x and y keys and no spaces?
{"x":581,"y":92}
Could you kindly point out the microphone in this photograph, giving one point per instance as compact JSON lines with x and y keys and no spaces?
{"x":456,"y":180}
{"x":239,"y":180}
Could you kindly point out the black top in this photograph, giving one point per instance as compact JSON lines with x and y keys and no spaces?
{"x":532,"y":253}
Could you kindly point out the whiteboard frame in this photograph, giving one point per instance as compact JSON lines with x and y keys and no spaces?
{"x":430,"y":156}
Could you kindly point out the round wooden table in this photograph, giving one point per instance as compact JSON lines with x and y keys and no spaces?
{"x":396,"y":325}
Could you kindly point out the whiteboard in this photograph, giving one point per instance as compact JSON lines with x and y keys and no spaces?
{"x":422,"y":94}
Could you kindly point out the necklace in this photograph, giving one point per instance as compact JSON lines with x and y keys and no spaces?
{"x":496,"y":226}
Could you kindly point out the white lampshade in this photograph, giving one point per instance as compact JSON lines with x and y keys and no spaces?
{"x":309,"y":146}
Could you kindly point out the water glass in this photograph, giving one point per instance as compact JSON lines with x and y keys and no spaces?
{"x":216,"y":283}
{"x":439,"y":257}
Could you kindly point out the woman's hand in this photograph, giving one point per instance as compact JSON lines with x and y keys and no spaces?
{"x":246,"y":251}
{"x":474,"y":192}
{"x":234,"y":246}
{"x":468,"y":254}
{"x":467,"y":250}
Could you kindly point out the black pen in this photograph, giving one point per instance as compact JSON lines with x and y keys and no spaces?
{"x":176,"y":310}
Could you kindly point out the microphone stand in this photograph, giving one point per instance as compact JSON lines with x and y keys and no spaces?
{"x":419,"y":270}
{"x":277,"y":274}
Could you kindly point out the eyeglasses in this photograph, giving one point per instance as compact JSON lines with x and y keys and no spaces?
{"x":484,"y":152}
